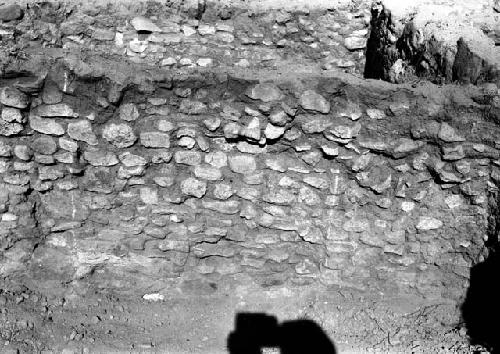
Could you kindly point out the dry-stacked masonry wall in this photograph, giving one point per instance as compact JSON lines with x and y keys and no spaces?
{"x":211,"y":179}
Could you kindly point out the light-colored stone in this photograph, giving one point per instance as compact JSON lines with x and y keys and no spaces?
{"x":191,"y":158}
{"x":131,"y":160}
{"x":208,"y":172}
{"x":273,"y":132}
{"x":194,"y":187}
{"x":252,"y":130}
{"x":223,"y":191}
{"x":12,"y":97}
{"x":149,"y":195}
{"x":155,"y":140}
{"x":355,"y":43}
{"x":426,"y":223}
{"x":313,"y":101}
{"x":217,"y":159}
{"x":46,"y":125}
{"x":453,"y":201}
{"x":143,"y":24}
{"x":448,"y":134}
{"x":223,"y":207}
{"x":98,"y":157}
{"x":129,"y":112}
{"x":11,"y":114}
{"x":120,"y":135}
{"x":68,"y":144}
{"x":243,"y":164}
{"x":265,"y":92}
{"x":56,"y":110}
{"x":82,"y":131}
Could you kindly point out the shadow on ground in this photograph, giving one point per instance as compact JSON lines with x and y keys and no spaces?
{"x":256,"y":331}
{"x":481,"y":309}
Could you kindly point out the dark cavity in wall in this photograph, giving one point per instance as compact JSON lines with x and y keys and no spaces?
{"x":481,"y":309}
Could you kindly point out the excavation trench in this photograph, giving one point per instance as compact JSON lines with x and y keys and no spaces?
{"x":143,"y":208}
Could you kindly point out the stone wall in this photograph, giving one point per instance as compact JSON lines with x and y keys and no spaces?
{"x":124,"y":170}
{"x":217,"y":179}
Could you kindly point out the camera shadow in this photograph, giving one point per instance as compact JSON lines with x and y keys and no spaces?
{"x":257,"y":331}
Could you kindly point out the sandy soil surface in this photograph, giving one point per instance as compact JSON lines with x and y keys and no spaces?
{"x":199,"y":321}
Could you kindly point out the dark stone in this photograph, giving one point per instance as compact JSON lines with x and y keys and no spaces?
{"x":10,"y":13}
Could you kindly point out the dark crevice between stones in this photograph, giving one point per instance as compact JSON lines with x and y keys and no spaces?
{"x":481,"y":308}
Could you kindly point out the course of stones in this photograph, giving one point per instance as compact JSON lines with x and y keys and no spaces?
{"x":153,"y":153}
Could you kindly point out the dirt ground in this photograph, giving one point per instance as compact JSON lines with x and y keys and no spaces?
{"x":199,"y":321}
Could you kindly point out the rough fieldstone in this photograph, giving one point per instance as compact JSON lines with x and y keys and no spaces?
{"x":64,"y":157}
{"x":378,"y":178}
{"x":207,"y":172}
{"x":404,"y":147}
{"x":232,"y":130}
{"x":223,"y":207}
{"x":98,"y":157}
{"x":273,"y":132}
{"x":51,"y":93}
{"x":279,"y":118}
{"x":49,"y":173}
{"x":44,"y":145}
{"x":313,"y":125}
{"x":22,"y":152}
{"x":129,"y":112}
{"x":345,"y":132}
{"x":453,"y":201}
{"x":265,"y":92}
{"x":428,"y":223}
{"x":212,"y":123}
{"x":56,"y":110}
{"x":148,"y":195}
{"x":448,"y":134}
{"x":82,"y":131}
{"x":194,"y":187}
{"x":330,"y":150}
{"x":137,"y":46}
{"x":313,"y":101}
{"x":11,"y":114}
{"x":190,"y":158}
{"x":316,"y":182}
{"x":374,"y":113}
{"x":217,"y":159}
{"x":131,"y":160}
{"x":155,"y":140}
{"x":355,"y":43}
{"x":223,"y":191}
{"x":453,"y":153}
{"x":5,"y":150}
{"x":279,"y":196}
{"x":143,"y":24}
{"x":308,"y":196}
{"x":8,"y":129}
{"x":46,"y":125}
{"x":68,"y":144}
{"x":120,"y":135}
{"x":243,"y":164}
{"x":10,"y":12}
{"x":252,"y":130}
{"x":192,"y":107}
{"x":165,"y":125}
{"x":186,"y":142}
{"x":12,"y":97}
{"x":356,"y":225}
